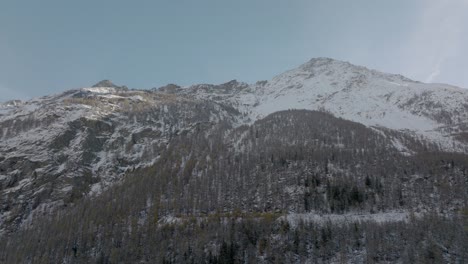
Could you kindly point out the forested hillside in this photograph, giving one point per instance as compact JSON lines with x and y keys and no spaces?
{"x":225,"y":197}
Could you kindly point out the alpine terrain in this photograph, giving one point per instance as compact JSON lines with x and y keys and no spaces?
{"x":326,"y":163}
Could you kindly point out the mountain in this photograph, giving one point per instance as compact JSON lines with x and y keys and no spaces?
{"x":436,"y":112}
{"x":320,"y":148}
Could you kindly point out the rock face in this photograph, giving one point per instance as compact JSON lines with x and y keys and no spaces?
{"x":56,"y":149}
{"x":362,"y":141}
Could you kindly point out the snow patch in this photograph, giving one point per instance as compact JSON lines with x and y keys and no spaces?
{"x":395,"y":216}
{"x":100,"y":90}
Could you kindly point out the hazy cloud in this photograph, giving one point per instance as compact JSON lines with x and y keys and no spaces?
{"x":437,"y":37}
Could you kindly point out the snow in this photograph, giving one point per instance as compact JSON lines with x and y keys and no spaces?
{"x":62,"y":167}
{"x":96,"y":189}
{"x":401,"y":147}
{"x":169,"y":220}
{"x":100,"y":90}
{"x":19,"y":186}
{"x":358,"y":217}
{"x":111,"y":96}
{"x":137,"y":98}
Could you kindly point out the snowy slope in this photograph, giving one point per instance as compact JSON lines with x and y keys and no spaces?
{"x":363,"y":95}
{"x":368,"y":97}
{"x":437,"y":112}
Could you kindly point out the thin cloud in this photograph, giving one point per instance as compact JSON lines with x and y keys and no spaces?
{"x":435,"y":73}
{"x":437,"y":37}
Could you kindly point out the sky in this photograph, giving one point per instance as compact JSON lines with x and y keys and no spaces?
{"x":49,"y":46}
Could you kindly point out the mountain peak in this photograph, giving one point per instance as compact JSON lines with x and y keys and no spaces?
{"x":234,"y":84}
{"x":339,"y":67}
{"x":325,"y":62}
{"x":231,"y":82}
{"x":169,"y":88}
{"x":105,"y":83}
{"x":322,"y":60}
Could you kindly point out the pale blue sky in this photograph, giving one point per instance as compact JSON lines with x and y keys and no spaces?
{"x":49,"y":46}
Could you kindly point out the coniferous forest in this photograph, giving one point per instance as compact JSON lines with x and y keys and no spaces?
{"x":250,"y":194}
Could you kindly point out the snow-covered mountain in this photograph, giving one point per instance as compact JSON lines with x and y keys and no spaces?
{"x":438,"y":112}
{"x":56,"y":149}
